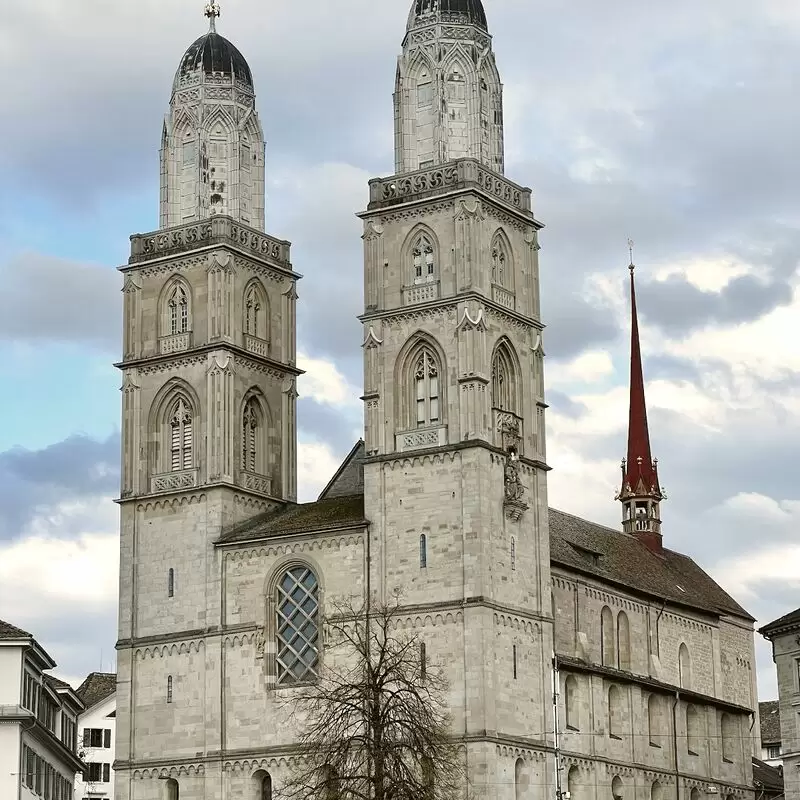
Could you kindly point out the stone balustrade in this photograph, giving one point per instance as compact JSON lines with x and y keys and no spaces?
{"x":174,"y":481}
{"x":176,"y":343}
{"x":217,"y":230}
{"x":464,"y":173}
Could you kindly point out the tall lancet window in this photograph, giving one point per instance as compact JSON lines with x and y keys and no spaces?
{"x":426,"y":377}
{"x":503,"y":380}
{"x":424,"y":260}
{"x":181,"y":436}
{"x":251,"y":428}
{"x":501,"y":261}
{"x":178,"y":310}
{"x":252,"y":309}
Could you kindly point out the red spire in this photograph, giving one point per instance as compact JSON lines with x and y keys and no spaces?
{"x":641,"y":474}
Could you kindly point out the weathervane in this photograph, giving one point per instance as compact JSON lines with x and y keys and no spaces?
{"x":212,"y":12}
{"x":631,"y":267}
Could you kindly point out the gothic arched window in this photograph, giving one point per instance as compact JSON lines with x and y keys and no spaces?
{"x":684,"y":667}
{"x":255,"y":313}
{"x":426,"y":384}
{"x":502,"y":268}
{"x":252,"y":438}
{"x":297,"y":626}
{"x":178,"y":304}
{"x":607,"y":636}
{"x":520,"y":780}
{"x":173,"y":790}
{"x":571,"y":703}
{"x":266,"y":787}
{"x":623,"y":641}
{"x":504,"y":384}
{"x":181,"y":436}
{"x":424,"y":258}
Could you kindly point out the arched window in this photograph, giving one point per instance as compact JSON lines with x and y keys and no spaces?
{"x":694,"y":737}
{"x":504,"y":383}
{"x":265,"y":787}
{"x":656,"y":792}
{"x":573,"y":783}
{"x":424,"y":256}
{"x":617,"y":788}
{"x":684,"y":668}
{"x":520,"y":780}
{"x":423,"y":660}
{"x":428,"y":777}
{"x":330,"y":783}
{"x":456,"y":85}
{"x":173,"y":790}
{"x":615,"y":712}
{"x":654,"y":720}
{"x":424,"y":90}
{"x":607,"y":637}
{"x":178,"y":305}
{"x":181,"y":436}
{"x":501,"y":261}
{"x":169,"y":688}
{"x":297,"y":626}
{"x":695,"y":794}
{"x":426,"y":381}
{"x":729,"y":736}
{"x":252,"y":436}
{"x":571,"y":703}
{"x":623,"y":641}
{"x":513,"y":553}
{"x":256,"y":320}
{"x":423,"y":551}
{"x":171,"y":583}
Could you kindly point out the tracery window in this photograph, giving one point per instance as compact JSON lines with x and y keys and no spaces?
{"x":502,"y":273}
{"x":424,"y":259}
{"x":297,"y":626}
{"x":178,"y":310}
{"x":181,"y":436}
{"x":503,"y":380}
{"x":251,"y":435}
{"x":252,"y":308}
{"x":426,"y":379}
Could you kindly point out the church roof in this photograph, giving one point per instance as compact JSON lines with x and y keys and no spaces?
{"x":575,"y":543}
{"x":215,"y":55}
{"x":468,"y":11}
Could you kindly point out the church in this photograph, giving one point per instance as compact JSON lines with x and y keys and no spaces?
{"x":581,"y":659}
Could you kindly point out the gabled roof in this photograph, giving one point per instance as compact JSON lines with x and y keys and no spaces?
{"x":788,"y":621}
{"x":349,"y":478}
{"x":770,"y":715}
{"x":618,"y":557}
{"x":9,"y":631}
{"x":767,"y":777}
{"x":97,"y":686}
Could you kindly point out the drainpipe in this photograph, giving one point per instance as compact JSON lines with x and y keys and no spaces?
{"x":557,"y":728}
{"x":675,"y":742}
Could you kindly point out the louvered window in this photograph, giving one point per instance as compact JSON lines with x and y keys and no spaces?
{"x":181,"y":437}
{"x":250,"y":436}
{"x":427,"y":386}
{"x":178,"y":311}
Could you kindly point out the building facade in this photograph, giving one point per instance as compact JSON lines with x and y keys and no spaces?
{"x":38,"y":722}
{"x":769,"y":714}
{"x":784,"y":634}
{"x":97,"y":726}
{"x":225,"y":578}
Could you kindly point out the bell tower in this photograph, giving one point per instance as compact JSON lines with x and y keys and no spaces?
{"x":455,"y":470}
{"x":208,"y":399}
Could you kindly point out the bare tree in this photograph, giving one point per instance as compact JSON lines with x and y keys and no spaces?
{"x":376,"y":725}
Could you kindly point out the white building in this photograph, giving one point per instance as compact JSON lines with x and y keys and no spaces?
{"x":38,"y":722}
{"x":97,"y":730}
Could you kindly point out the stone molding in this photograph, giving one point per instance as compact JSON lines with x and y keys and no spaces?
{"x":248,"y":551}
{"x":181,"y":648}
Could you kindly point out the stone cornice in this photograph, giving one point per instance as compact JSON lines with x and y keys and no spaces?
{"x":568,"y":664}
{"x":242,"y":356}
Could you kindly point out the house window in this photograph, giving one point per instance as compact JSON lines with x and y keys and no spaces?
{"x":169,"y":689}
{"x":95,"y":772}
{"x":178,"y":310}
{"x":97,"y":737}
{"x":423,"y":551}
{"x":181,"y":436}
{"x":171,"y":583}
{"x":774,"y":751}
{"x":297,"y":626}
{"x":426,"y":376}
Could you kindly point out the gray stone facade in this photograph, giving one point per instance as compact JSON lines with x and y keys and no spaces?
{"x":445,"y":501}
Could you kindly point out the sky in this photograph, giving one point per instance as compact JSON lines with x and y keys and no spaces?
{"x":675,"y":124}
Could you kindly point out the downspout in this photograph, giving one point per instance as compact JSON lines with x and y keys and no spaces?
{"x":675,"y":742}
{"x":556,"y":727}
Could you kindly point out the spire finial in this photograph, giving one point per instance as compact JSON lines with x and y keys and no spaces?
{"x":212,"y":12}
{"x":631,"y":266}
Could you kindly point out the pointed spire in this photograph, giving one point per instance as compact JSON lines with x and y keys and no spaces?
{"x":640,"y":493}
{"x":212,"y":12}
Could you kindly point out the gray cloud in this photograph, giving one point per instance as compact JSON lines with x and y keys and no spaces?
{"x":563,"y":404}
{"x":329,"y":425}
{"x":33,"y":480}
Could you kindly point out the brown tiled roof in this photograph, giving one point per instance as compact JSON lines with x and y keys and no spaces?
{"x":337,"y":512}
{"x":57,"y":683}
{"x":349,"y":478}
{"x":788,"y":620}
{"x":97,"y":687}
{"x":768,"y":777}
{"x":618,"y":557}
{"x":9,"y":631}
{"x":770,"y":715}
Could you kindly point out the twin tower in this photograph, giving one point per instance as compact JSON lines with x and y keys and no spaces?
{"x":454,"y":440}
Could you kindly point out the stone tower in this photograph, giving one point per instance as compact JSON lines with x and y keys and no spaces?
{"x":455,"y":471}
{"x":208,"y":421}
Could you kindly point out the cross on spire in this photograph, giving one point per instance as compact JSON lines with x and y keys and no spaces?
{"x":212,"y":12}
